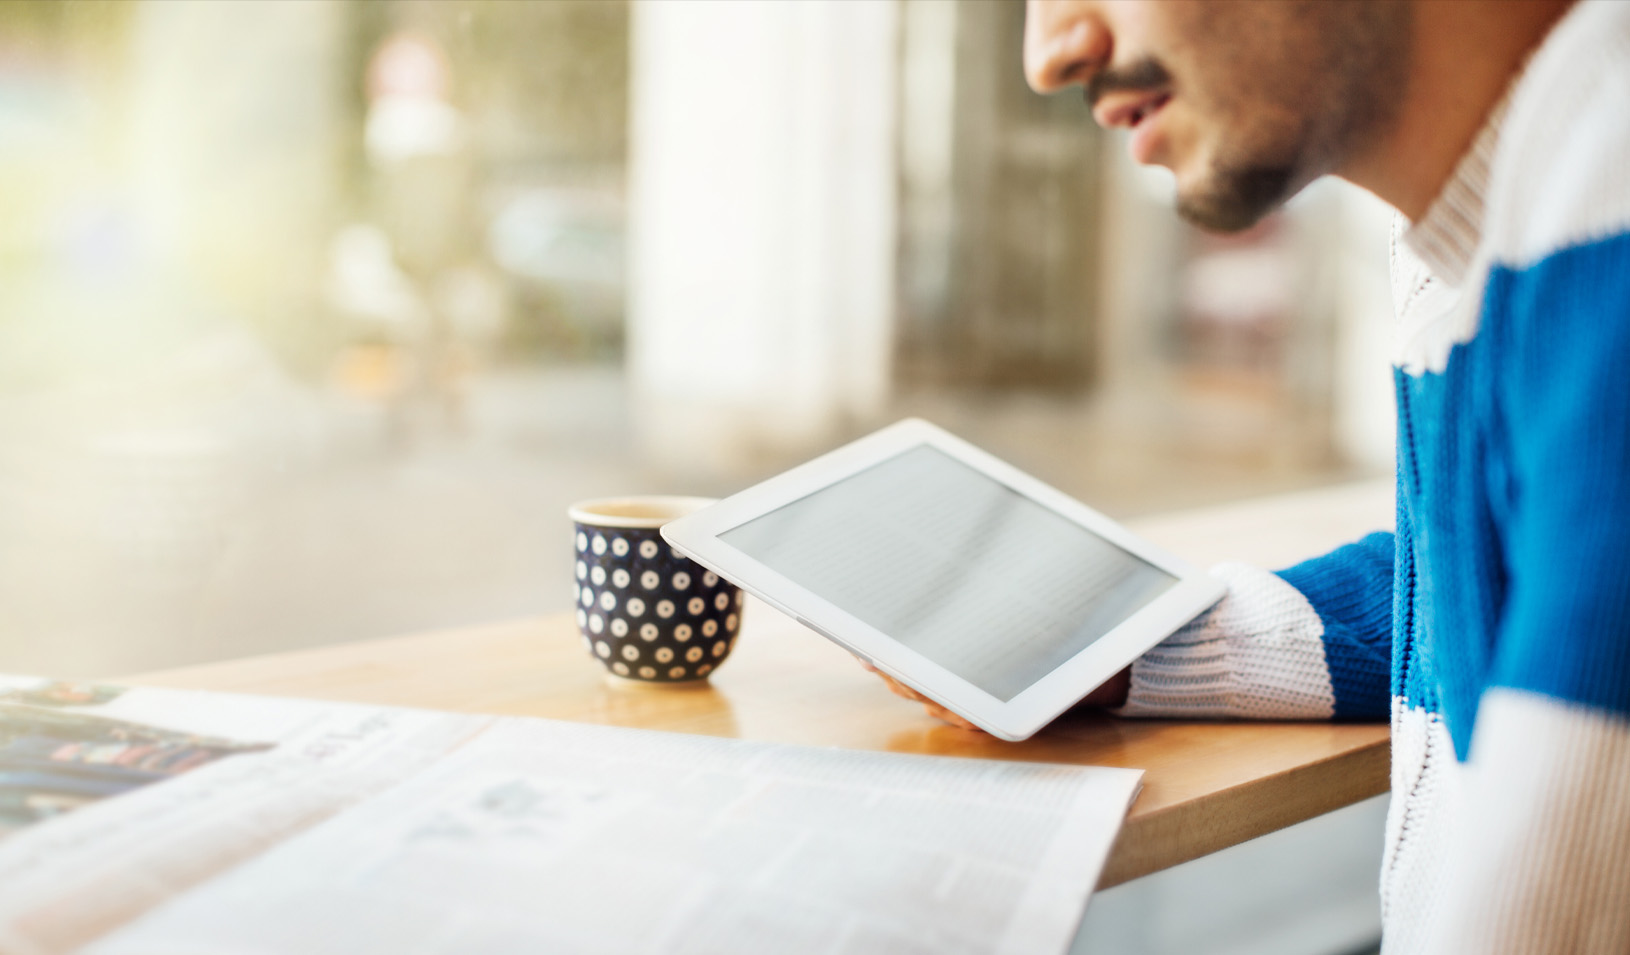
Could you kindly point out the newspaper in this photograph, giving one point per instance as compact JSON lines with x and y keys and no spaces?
{"x":313,"y":827}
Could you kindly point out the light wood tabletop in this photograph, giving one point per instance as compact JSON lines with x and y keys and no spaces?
{"x":1206,"y":785}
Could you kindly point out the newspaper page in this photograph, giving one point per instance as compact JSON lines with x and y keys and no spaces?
{"x":444,"y":833}
{"x":114,"y":800}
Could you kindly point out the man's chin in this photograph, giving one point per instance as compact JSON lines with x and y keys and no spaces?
{"x":1236,"y":200}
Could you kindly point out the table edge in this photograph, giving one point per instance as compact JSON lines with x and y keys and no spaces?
{"x":1188,"y":830}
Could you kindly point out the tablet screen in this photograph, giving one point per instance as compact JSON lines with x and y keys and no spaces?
{"x":955,"y":565}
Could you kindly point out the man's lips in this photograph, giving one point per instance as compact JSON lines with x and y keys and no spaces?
{"x":1136,"y":110}
{"x":1128,"y":108}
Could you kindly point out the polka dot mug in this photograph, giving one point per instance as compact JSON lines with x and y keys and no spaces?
{"x":647,"y":614}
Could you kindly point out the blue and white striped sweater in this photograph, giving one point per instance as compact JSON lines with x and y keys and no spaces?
{"x":1494,"y":624}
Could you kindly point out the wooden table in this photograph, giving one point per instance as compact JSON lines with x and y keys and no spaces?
{"x":1206,"y":785}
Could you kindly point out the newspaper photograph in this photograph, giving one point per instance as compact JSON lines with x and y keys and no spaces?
{"x":54,"y":760}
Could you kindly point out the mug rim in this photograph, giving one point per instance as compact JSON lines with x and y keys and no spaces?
{"x":583,"y":512}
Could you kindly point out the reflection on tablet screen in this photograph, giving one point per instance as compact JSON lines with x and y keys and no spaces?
{"x":955,"y":565}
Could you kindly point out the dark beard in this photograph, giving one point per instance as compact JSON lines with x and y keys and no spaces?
{"x":1238,"y":198}
{"x":1343,"y":95}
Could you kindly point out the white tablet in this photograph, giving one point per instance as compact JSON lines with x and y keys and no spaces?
{"x":1001,"y":598}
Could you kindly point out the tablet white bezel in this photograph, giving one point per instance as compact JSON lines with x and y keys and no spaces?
{"x":697,"y":536}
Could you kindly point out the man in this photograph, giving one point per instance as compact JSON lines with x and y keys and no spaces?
{"x":1494,"y":625}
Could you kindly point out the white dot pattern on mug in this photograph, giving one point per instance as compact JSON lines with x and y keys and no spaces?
{"x":647,"y":613}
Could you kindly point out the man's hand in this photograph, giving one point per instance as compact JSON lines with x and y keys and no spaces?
{"x":934,"y":709}
{"x":1112,"y":693}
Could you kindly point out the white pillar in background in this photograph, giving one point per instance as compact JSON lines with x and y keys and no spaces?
{"x":761,"y":218}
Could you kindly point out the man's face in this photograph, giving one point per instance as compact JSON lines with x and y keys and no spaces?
{"x":1245,"y":102}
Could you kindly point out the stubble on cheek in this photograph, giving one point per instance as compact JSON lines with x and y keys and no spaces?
{"x":1216,"y":132}
{"x":1239,"y":158}
{"x":1279,"y":92}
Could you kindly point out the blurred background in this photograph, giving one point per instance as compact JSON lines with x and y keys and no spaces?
{"x":314,"y":316}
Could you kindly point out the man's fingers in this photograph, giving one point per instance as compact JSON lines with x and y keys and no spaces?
{"x":941,"y":713}
{"x":934,"y":709}
{"x":903,"y":690}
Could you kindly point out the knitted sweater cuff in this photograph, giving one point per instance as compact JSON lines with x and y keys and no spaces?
{"x":1257,"y":654}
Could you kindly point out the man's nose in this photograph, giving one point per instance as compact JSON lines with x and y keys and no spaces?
{"x":1066,"y":42}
